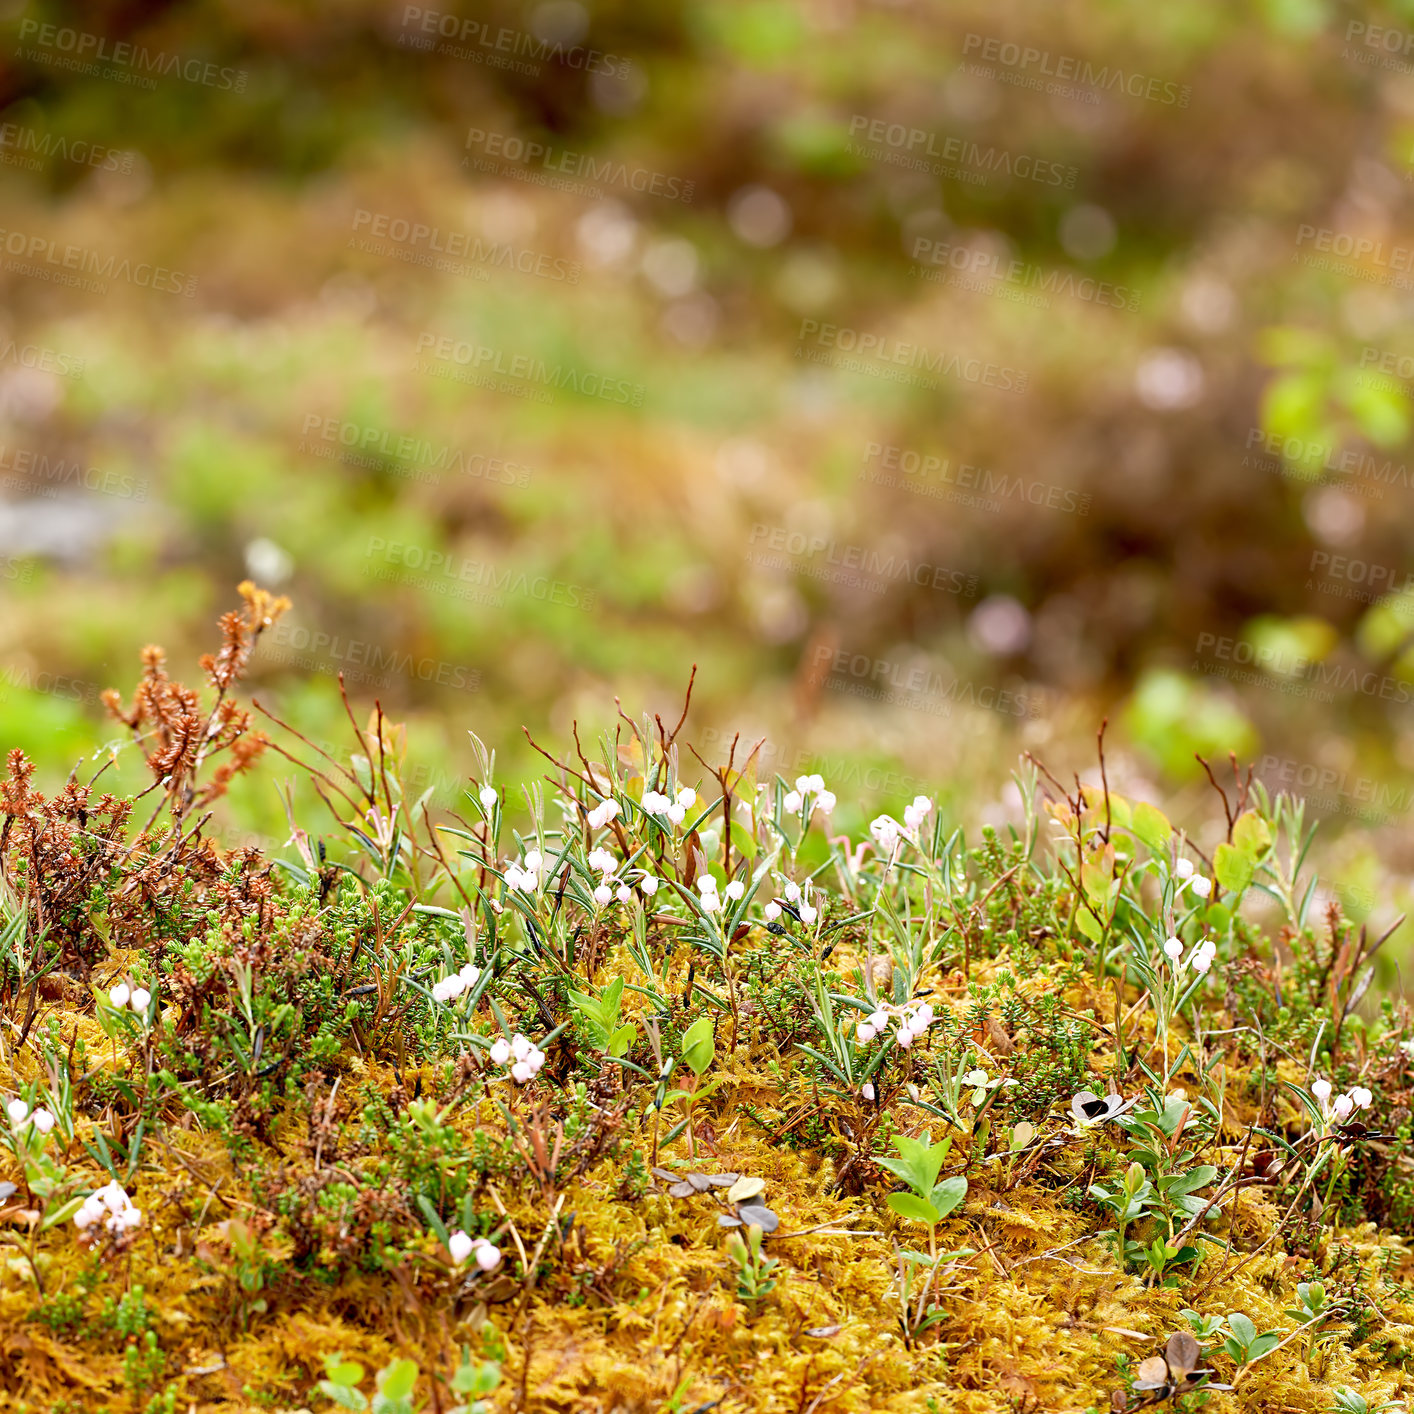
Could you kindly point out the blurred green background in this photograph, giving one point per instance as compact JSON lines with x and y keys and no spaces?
{"x":940,"y":378}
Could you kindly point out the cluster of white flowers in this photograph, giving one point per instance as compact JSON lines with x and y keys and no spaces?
{"x":136,"y":997}
{"x":1200,"y":959}
{"x":450,"y":988}
{"x":656,"y":803}
{"x":913,"y":1021}
{"x":526,"y":875}
{"x":807,"y":787}
{"x":1189,"y":879}
{"x":603,"y":813}
{"x":711,"y":900}
{"x":20,"y":1116}
{"x":525,"y":1056}
{"x":488,"y":1258}
{"x":112,"y":1207}
{"x":888,"y":832}
{"x":1358,"y":1098}
{"x":793,"y":894}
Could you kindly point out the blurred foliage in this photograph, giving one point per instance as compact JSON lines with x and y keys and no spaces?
{"x":1188,"y":227}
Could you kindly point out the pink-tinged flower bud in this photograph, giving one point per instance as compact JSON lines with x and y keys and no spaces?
{"x":118,"y":996}
{"x":1321,"y":1089}
{"x":1201,"y":886}
{"x":18,"y":1112}
{"x":1173,"y":948}
{"x":868,"y":1091}
{"x":459,"y":1245}
{"x":44,"y":1121}
{"x":488,"y":1258}
{"x":865,"y":1033}
{"x":1342,"y":1106}
{"x":904,"y":1037}
{"x":1358,"y":1093}
{"x":520,"y":1046}
{"x":501,"y":1051}
{"x":522,"y":1073}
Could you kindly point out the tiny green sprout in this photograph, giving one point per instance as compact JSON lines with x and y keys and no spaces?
{"x":1204,"y":1327}
{"x":1243,"y":1344}
{"x":601,"y":1015}
{"x":918,"y":1165}
{"x":341,"y":1382}
{"x":1127,"y":1202}
{"x":474,"y":1378}
{"x":754,"y":1270}
{"x":1349,"y":1401}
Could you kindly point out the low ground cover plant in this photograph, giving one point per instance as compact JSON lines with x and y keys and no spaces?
{"x":642,"y":1086}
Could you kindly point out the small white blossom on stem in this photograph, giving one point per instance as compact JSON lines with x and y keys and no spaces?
{"x":112,"y":1207}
